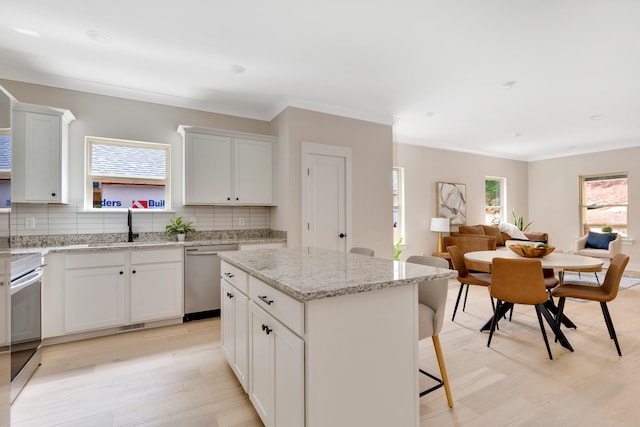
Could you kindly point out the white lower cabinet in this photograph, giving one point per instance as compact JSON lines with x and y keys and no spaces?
{"x":258,"y":342}
{"x":94,"y":298}
{"x":157,"y":290}
{"x":276,"y":360}
{"x":90,"y":291}
{"x":94,"y":291}
{"x":235,"y":330}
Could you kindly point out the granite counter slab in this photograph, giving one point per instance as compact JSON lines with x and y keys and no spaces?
{"x":314,"y":273}
{"x":101,"y":247}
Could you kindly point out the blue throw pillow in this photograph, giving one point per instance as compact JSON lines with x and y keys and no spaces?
{"x":600,"y":240}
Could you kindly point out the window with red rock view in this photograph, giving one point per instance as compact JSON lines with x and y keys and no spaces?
{"x":604,"y":202}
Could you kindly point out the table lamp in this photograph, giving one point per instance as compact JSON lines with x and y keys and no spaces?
{"x":440,"y":225}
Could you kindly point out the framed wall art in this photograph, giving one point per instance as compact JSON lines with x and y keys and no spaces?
{"x":451,"y":202}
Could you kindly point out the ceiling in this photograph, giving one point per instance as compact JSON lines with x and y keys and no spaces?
{"x":436,"y":70}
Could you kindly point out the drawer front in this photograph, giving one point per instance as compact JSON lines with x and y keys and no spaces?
{"x":151,"y":256}
{"x":235,"y":276}
{"x":288,"y":310}
{"x":98,"y":259}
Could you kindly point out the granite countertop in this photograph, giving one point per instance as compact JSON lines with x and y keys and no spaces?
{"x":314,"y":273}
{"x":98,"y":247}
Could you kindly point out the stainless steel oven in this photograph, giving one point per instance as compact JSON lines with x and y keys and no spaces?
{"x":26,"y":326}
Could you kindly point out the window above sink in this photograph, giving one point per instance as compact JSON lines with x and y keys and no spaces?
{"x":127,"y":174}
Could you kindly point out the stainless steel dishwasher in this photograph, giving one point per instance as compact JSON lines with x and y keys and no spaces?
{"x":202,"y":281}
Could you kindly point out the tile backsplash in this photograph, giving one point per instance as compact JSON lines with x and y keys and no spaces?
{"x":53,"y":219}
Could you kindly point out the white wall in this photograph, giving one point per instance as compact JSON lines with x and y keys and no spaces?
{"x":554,"y":195}
{"x":372,"y":160}
{"x":424,"y":166}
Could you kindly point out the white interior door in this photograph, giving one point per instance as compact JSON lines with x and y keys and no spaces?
{"x":325,"y":198}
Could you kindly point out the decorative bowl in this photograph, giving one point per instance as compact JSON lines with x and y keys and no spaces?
{"x":529,"y":251}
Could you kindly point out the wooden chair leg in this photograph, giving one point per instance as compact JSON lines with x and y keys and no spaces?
{"x":443,"y":369}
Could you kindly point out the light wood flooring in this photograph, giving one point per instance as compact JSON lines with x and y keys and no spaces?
{"x":177,"y":375}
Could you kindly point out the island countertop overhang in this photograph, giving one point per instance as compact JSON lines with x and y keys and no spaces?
{"x":313,"y":273}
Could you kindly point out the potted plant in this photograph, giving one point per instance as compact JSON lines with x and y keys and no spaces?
{"x":179,"y":227}
{"x":518,"y":221}
{"x":397,"y":251}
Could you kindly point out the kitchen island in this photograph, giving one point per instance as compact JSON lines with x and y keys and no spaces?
{"x":324,"y":338}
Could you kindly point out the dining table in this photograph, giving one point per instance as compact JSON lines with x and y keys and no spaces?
{"x":558,"y":261}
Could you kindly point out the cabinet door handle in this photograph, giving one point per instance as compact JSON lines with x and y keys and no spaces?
{"x":53,"y":194}
{"x":229,"y":275}
{"x":266,"y":329}
{"x":122,"y":272}
{"x":228,"y":198}
{"x":134,"y":272}
{"x":229,"y":295}
{"x":265,"y":299}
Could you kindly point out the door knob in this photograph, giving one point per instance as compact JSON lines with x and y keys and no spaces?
{"x":342,"y":235}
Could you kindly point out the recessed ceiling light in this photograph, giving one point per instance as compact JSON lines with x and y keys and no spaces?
{"x":98,"y":36}
{"x":596,"y":117}
{"x":27,"y":32}
{"x":510,"y":84}
{"x":237,"y":69}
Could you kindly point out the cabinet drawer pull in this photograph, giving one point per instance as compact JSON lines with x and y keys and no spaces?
{"x":265,"y":299}
{"x":122,"y":272}
{"x":266,"y":329}
{"x":229,"y":295}
{"x":229,"y":275}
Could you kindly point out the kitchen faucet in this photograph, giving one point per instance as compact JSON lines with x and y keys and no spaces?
{"x":132,"y":235}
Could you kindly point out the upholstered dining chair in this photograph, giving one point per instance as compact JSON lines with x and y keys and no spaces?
{"x":603,"y":294}
{"x":520,"y":281}
{"x":432,"y":298}
{"x":362,"y":251}
{"x":466,"y":278}
{"x":550,"y":282}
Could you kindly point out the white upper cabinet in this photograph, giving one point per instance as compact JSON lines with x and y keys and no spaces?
{"x":40,"y":163}
{"x":207,"y":169}
{"x":253,"y":171}
{"x":227,"y":168}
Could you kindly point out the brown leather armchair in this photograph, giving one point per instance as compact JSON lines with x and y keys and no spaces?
{"x":469,"y":243}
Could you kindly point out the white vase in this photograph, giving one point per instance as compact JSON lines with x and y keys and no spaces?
{"x":181,"y":237}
